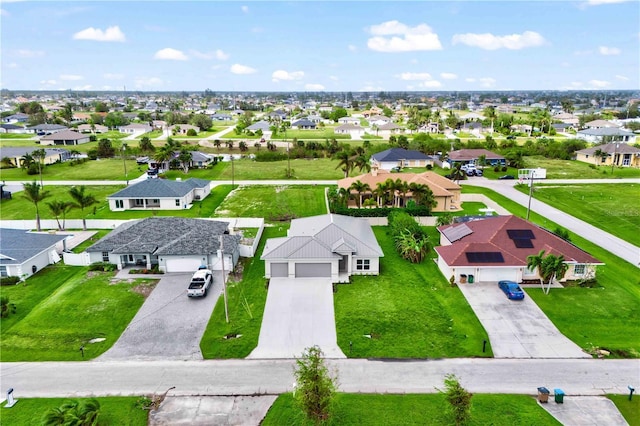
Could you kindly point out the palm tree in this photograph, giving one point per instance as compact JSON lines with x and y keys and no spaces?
{"x":35,"y":193}
{"x":146,"y":145}
{"x":243,"y":146}
{"x":401,"y":188}
{"x":362,"y":163}
{"x":554,"y":268}
{"x":7,"y":162}
{"x":422,"y":195}
{"x":229,"y":144}
{"x":360,"y":187}
{"x":164,"y":155}
{"x":59,"y":208}
{"x":345,"y":162}
{"x":445,"y":219}
{"x":379,"y":192}
{"x":257,"y":146}
{"x":185,"y":158}
{"x":217,"y":143}
{"x":457,"y":174}
{"x":82,"y":201}
{"x":26,"y":161}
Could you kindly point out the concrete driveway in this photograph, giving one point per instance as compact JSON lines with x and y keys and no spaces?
{"x":517,"y":329}
{"x":298,"y":314}
{"x":169,"y":325}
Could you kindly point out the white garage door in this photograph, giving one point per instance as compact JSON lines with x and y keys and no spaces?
{"x":183,"y":264}
{"x":497,"y":274}
{"x":279,"y":270}
{"x":313,"y":270}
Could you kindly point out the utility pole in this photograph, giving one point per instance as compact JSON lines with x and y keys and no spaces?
{"x":124,"y":163}
{"x":224,"y":281}
{"x":613,"y":158}
{"x":233,"y":175}
{"x":530,"y":192}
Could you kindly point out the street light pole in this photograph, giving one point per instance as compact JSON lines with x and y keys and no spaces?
{"x":233,"y":175}
{"x":124,"y":162}
{"x":530,"y":192}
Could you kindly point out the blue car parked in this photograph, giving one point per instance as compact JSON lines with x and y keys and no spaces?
{"x":511,"y":289}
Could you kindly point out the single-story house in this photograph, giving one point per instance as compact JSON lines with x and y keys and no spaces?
{"x":621,"y":154}
{"x":354,"y":130}
{"x":387,"y":129}
{"x":429,"y":128}
{"x":470,"y":156}
{"x":399,"y":157}
{"x":601,"y":124}
{"x":349,"y":120}
{"x":303,"y":124}
{"x":562,"y":127}
{"x":52,"y":155}
{"x":496,"y":248}
{"x":96,"y":128}
{"x":445,"y":191}
{"x":160,"y":194}
{"x":606,"y":134}
{"x":23,"y":253}
{"x":135,"y":128}
{"x":174,"y":244}
{"x":328,"y":246}
{"x":12,"y":128}
{"x":221,"y":117}
{"x":260,"y":125}
{"x":182,"y":129}
{"x":46,"y":128}
{"x":472,"y":116}
{"x":16,"y":118}
{"x":65,"y":137}
{"x":158,"y":124}
{"x":379,"y":120}
{"x":567,"y":118}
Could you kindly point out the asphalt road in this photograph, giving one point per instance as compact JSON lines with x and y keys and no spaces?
{"x":248,"y":377}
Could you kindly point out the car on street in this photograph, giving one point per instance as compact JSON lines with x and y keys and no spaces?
{"x":506,"y":177}
{"x":511,"y":289}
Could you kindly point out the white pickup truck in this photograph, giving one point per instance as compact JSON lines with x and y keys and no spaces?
{"x":200,"y":283}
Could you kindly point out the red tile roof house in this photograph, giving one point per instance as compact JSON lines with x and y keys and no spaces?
{"x":496,"y":248}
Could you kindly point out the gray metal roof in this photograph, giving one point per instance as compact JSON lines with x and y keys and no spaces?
{"x":46,"y":126}
{"x":160,"y":188}
{"x":396,"y":154}
{"x":456,"y":232}
{"x":324,"y":236}
{"x":19,"y":151}
{"x":260,"y":125}
{"x":66,"y":135}
{"x":606,"y":131}
{"x":18,"y":245}
{"x":168,"y":236}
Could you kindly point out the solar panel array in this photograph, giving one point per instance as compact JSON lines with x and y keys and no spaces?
{"x":522,"y":243}
{"x":484,"y":257}
{"x":521,"y":237}
{"x":454,"y":233}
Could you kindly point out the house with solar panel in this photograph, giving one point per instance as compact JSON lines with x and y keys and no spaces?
{"x":496,"y":248}
{"x":160,"y":194}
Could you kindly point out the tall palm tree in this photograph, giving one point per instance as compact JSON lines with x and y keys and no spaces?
{"x":146,"y":145}
{"x":457,"y":174}
{"x":362,"y":163}
{"x":82,"y":200}
{"x":35,"y":193}
{"x":360,"y":187}
{"x":217,"y":143}
{"x":379,"y":192}
{"x":26,"y":161}
{"x":345,"y":162}
{"x":7,"y":162}
{"x":401,"y":188}
{"x":164,"y":155}
{"x":59,"y":208}
{"x":422,"y":195}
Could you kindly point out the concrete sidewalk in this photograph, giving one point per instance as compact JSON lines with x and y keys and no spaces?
{"x":585,"y":411}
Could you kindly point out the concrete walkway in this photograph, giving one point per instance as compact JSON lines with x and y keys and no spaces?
{"x":585,"y":411}
{"x":298,"y":314}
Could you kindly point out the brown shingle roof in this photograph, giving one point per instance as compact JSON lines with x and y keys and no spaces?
{"x":473,"y":154}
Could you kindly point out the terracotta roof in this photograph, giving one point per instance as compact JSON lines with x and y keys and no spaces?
{"x":490,"y":235}
{"x":439,"y":185}
{"x":610,"y":148}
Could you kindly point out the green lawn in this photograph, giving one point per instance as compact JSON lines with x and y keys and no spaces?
{"x":246,"y":300}
{"x":326,"y":133}
{"x":605,"y":316}
{"x":630,"y":409}
{"x":116,"y":410}
{"x":410,"y":310}
{"x":318,"y":169}
{"x":614,"y":208}
{"x":105,"y":169}
{"x":63,"y":307}
{"x":16,"y":135}
{"x":414,"y":409}
{"x":274,"y":203}
{"x":20,"y":208}
{"x":573,"y":169}
{"x":100,"y":233}
{"x":151,"y":135}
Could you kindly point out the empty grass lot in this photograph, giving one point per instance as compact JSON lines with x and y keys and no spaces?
{"x":614,"y":208}
{"x":602,"y":317}
{"x":106,"y":169}
{"x":117,"y":410}
{"x":246,"y":301}
{"x":573,"y":169}
{"x":315,"y":169}
{"x":326,"y":133}
{"x":20,"y":208}
{"x":274,"y":203}
{"x":63,"y":307}
{"x":412,"y":409}
{"x":410,"y":310}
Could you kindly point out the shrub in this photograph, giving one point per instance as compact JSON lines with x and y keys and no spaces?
{"x":267,"y":156}
{"x":429,"y":167}
{"x":103,"y":267}
{"x":192,"y":132}
{"x":496,"y":169}
{"x":381,"y":211}
{"x":6,"y":308}
{"x":9,"y":280}
{"x":504,"y":168}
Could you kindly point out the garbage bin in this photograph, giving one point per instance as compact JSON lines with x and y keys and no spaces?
{"x":470,"y":279}
{"x":559,"y":396}
{"x":463,"y":278}
{"x":543,"y":394}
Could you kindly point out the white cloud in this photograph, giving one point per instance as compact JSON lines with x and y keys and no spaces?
{"x":431,"y":84}
{"x":245,"y":9}
{"x":170,"y":54}
{"x":489,"y":41}
{"x":600,"y":2}
{"x":85,"y":87}
{"x":313,"y":87}
{"x":48,"y":82}
{"x":414,"y":76}
{"x":242,"y":69}
{"x":403,"y":38}
{"x":26,"y":53}
{"x":448,"y":75}
{"x":144,"y":82}
{"x":112,"y":76}
{"x":599,"y":84}
{"x":487,"y":82}
{"x":604,"y":50}
{"x":352,"y":47}
{"x":333,"y":77}
{"x":221,"y":55}
{"x":96,"y":34}
{"x":622,"y":77}
{"x":470,"y":80}
{"x":286,"y":75}
{"x":71,"y":77}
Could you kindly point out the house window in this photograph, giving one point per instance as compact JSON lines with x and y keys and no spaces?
{"x":177,"y":202}
{"x":119,"y":204}
{"x":579,"y":269}
{"x":363,"y":264}
{"x":105,"y":256}
{"x":139,"y":202}
{"x":3,"y":271}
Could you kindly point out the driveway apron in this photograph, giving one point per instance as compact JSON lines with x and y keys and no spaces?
{"x":298,"y":314}
{"x":517,"y":328}
{"x":169,"y":325}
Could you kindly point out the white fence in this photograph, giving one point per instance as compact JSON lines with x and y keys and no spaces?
{"x":76,"y":259}
{"x":234,"y":222}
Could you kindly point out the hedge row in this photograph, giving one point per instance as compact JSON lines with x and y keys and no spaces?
{"x":383,"y":211}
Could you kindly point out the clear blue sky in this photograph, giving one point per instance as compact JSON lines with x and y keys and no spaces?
{"x":331,"y":46}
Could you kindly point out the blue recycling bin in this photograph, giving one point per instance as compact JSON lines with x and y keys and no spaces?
{"x":558,"y":395}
